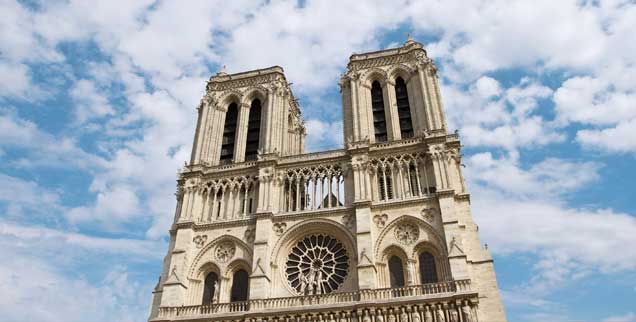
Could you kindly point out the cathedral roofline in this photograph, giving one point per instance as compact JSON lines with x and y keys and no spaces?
{"x":221,"y":76}
{"x":409,"y":45}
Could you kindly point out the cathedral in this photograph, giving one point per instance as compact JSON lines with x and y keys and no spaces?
{"x":378,"y":231}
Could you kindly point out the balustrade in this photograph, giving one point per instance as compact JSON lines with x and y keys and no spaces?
{"x":220,"y":199}
{"x":423,"y":292}
{"x":313,"y":188}
{"x":401,"y":177}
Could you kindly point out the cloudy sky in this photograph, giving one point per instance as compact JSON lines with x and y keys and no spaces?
{"x":97,"y":113}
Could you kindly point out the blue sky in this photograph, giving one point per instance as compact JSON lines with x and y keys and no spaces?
{"x":97,"y":113}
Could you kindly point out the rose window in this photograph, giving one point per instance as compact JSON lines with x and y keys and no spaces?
{"x":318,"y":264}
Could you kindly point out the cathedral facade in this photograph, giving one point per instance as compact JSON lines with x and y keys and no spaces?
{"x":379,"y":231}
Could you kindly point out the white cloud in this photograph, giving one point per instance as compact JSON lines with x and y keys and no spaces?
{"x":89,"y":102}
{"x":21,"y":193}
{"x":14,"y":80}
{"x":322,"y":135}
{"x":112,"y":207}
{"x":34,"y":290}
{"x":550,"y":178}
{"x":490,"y":116}
{"x":628,"y":317}
{"x":42,"y":149}
{"x":614,"y":139}
{"x":590,"y":100}
{"x":34,"y":239}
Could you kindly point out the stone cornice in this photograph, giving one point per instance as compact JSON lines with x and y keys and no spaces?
{"x":222,"y":82}
{"x":404,"y":202}
{"x":312,"y":213}
{"x":414,"y":51}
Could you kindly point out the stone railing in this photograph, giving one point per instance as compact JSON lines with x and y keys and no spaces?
{"x":432,"y":291}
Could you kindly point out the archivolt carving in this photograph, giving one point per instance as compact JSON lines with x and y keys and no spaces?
{"x":229,"y":97}
{"x":372,"y":75}
{"x":401,"y":70}
{"x":254,"y":92}
{"x":426,"y":231}
{"x":207,"y":252}
{"x":407,"y":233}
{"x":225,"y":251}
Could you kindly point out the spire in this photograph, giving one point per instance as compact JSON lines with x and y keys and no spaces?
{"x":222,"y":72}
{"x":409,"y":40}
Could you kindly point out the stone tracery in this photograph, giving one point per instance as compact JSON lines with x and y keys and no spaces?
{"x":317,"y":264}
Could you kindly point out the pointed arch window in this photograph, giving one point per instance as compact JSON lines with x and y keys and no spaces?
{"x":396,"y":272}
{"x":229,"y":134}
{"x":428,"y":271}
{"x":239,"y":286}
{"x":253,"y":130}
{"x":379,"y":118}
{"x":403,"y":108}
{"x":210,"y":289}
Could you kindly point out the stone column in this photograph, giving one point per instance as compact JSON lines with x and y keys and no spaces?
{"x":216,"y":136}
{"x":390,"y":111}
{"x":202,"y":110}
{"x":426,"y":101}
{"x":174,"y":286}
{"x":355,"y":109}
{"x":395,"y":130}
{"x":416,"y":104}
{"x":241,"y":132}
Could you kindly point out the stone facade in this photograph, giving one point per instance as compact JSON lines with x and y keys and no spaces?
{"x":380,"y":231}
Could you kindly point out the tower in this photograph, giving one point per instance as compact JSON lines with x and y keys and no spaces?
{"x":380,"y":230}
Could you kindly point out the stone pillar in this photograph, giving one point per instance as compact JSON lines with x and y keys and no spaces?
{"x":175,"y":286}
{"x":215,"y":136}
{"x":241,"y":132}
{"x":364,"y":241}
{"x":355,"y":109}
{"x":260,"y":279}
{"x":416,"y":104}
{"x":425,"y":96}
{"x":195,"y":157}
{"x":394,"y":119}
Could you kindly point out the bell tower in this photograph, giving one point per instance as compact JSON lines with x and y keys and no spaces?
{"x":244,"y":114}
{"x":380,"y":230}
{"x":391,"y":95}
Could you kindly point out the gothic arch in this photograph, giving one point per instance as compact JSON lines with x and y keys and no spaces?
{"x":427,"y":234}
{"x":375,"y":74}
{"x":252,"y":93}
{"x":440,"y":256}
{"x":206,"y":255}
{"x":401,"y":70}
{"x":229,"y":97}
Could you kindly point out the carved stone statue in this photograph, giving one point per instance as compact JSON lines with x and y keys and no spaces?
{"x":428,"y":316}
{"x":468,"y":315}
{"x":310,"y":282}
{"x":404,"y":317}
{"x":454,"y":316}
{"x":217,"y":290}
{"x":439,"y":314}
{"x":415,"y":316}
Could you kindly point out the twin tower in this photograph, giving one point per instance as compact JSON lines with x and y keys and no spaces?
{"x":379,"y":231}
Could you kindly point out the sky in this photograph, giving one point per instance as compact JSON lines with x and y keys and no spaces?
{"x":98,"y":108}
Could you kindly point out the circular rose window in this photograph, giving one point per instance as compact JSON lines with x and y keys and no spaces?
{"x":318,"y":264}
